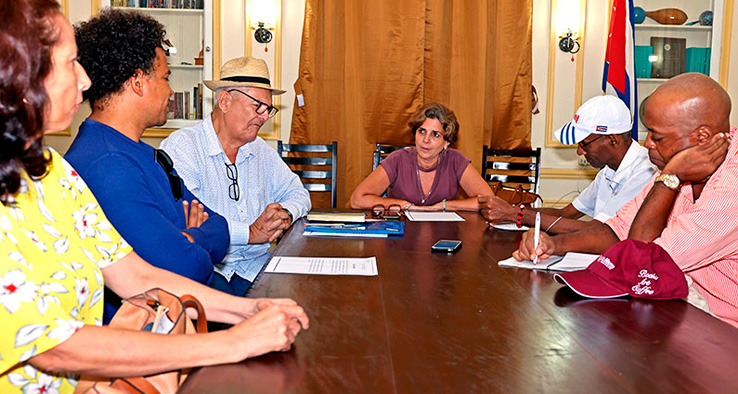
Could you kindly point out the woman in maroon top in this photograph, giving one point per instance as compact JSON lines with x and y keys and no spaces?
{"x":425,"y":177}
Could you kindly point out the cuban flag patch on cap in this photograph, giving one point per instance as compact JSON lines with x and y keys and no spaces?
{"x":602,"y":129}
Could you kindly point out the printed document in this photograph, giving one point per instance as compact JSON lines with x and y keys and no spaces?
{"x":366,"y":266}
{"x":570,"y":262}
{"x":509,"y":227}
{"x":434,"y":216}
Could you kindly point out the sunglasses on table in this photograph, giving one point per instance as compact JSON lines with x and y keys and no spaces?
{"x":391,"y":212}
{"x":175,"y":182}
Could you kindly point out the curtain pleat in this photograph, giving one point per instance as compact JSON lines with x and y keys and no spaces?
{"x":366,"y":66}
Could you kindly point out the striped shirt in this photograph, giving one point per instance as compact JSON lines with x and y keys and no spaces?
{"x":702,"y":236}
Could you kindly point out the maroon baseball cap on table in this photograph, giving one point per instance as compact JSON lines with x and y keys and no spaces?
{"x":634,"y":268}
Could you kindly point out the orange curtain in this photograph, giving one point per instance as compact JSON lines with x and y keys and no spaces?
{"x":366,"y":66}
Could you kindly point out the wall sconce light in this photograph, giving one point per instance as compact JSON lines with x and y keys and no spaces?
{"x":568,"y":20}
{"x":569,"y":44}
{"x":262,"y":35}
{"x":263,"y":16}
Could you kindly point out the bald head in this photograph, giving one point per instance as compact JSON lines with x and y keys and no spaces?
{"x":689,"y":101}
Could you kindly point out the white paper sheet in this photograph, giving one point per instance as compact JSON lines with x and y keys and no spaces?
{"x":434,"y":217}
{"x":366,"y":266}
{"x":509,"y":227}
{"x":571,"y":262}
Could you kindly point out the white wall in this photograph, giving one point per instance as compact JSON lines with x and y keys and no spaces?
{"x":561,"y":160}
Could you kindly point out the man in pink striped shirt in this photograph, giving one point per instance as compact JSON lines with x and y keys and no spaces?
{"x":690,"y":208}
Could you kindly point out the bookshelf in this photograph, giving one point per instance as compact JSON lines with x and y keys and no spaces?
{"x":190,"y":31}
{"x":690,"y":40}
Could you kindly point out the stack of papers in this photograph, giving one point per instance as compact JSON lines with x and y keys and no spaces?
{"x":570,"y":262}
{"x":370,"y":230}
{"x":344,"y":217}
{"x":509,"y":227}
{"x":323,"y":265}
{"x":434,"y":217}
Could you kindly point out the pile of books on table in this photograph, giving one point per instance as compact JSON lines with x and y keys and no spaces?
{"x":350,"y":224}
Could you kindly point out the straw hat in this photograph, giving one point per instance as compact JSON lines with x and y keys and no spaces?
{"x":244,"y":72}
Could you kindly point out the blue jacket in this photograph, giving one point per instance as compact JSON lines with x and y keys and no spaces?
{"x":134,"y":192}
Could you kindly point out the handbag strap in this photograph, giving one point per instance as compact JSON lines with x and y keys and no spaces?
{"x":134,"y":385}
{"x":496,"y":187}
{"x":519,"y":195}
{"x":191,"y":302}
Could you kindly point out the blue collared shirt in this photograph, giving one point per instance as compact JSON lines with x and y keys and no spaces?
{"x":263,"y":178}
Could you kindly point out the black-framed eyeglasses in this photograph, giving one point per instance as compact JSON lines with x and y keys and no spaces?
{"x":233,"y":190}
{"x":584,"y":145}
{"x":166,"y":163}
{"x":262,"y":107}
{"x":393,"y":211}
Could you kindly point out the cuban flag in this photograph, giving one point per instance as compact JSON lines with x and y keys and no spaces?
{"x":618,"y":78}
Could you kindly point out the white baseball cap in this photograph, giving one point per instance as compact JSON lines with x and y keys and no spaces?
{"x":603,"y":115}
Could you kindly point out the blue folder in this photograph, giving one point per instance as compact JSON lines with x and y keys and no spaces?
{"x":370,"y":228}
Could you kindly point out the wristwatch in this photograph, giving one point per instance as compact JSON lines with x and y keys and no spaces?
{"x":669,"y":180}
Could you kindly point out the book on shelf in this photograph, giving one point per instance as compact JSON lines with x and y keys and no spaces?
{"x":195,"y":102}
{"x":178,"y":105}
{"x":170,"y":108}
{"x":178,"y":4}
{"x":196,"y":109}
{"x":341,"y":217}
{"x":186,"y":105}
{"x":373,"y":229}
{"x":199,"y":101}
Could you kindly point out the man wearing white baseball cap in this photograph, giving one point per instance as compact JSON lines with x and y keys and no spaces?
{"x":601,"y":129}
{"x":224,"y":162}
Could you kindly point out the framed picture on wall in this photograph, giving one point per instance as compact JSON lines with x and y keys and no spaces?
{"x":670,"y":56}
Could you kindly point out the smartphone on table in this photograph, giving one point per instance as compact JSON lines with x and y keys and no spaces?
{"x":446,"y":246}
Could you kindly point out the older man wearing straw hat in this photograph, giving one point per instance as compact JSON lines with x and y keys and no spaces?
{"x":233,"y":171}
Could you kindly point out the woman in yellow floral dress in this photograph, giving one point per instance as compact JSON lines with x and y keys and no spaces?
{"x":57,"y":249}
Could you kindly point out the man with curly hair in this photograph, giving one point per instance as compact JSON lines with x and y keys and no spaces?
{"x":136,"y":185}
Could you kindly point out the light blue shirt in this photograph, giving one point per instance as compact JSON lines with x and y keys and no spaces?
{"x":611,"y":189}
{"x":263,"y":178}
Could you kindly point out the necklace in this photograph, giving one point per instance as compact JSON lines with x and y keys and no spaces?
{"x":418,"y":170}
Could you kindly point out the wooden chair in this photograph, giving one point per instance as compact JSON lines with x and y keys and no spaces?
{"x":512,"y":167}
{"x":381,"y":152}
{"x":318,"y":167}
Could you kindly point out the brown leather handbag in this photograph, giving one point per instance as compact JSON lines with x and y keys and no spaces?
{"x":158,"y":311}
{"x":514,"y":196}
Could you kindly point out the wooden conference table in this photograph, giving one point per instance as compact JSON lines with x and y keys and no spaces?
{"x":461,"y":324}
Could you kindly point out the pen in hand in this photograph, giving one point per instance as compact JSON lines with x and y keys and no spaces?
{"x":536,"y":237}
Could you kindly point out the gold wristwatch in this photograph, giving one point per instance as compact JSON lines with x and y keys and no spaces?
{"x":669,"y":180}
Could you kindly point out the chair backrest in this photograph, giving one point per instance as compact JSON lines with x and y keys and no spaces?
{"x":309,"y":169}
{"x":381,"y":152}
{"x":512,"y":167}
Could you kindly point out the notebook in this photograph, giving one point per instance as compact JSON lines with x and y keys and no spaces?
{"x":569,"y":262}
{"x":345,"y":217}
{"x":374,"y":229}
